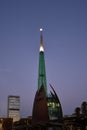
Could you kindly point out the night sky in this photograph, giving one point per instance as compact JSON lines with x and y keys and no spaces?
{"x":64,"y":24}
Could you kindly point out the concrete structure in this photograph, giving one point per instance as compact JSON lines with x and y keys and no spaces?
{"x":14,"y":107}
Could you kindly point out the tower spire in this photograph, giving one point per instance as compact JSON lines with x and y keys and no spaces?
{"x":41,"y":41}
{"x":42,"y":71}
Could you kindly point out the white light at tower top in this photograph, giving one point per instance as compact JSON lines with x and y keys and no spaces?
{"x":41,"y":29}
{"x":41,"y":49}
{"x":41,"y":41}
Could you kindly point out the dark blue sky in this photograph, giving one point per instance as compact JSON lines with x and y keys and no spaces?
{"x":65,"y":41}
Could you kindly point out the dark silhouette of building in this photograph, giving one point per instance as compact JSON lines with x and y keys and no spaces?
{"x":78,"y":120}
{"x":6,"y":123}
{"x":40,"y":109}
{"x":84,"y":108}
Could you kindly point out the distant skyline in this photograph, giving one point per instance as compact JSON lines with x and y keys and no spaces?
{"x":64,"y":24}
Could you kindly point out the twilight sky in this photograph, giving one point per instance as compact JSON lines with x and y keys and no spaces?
{"x":65,"y":42}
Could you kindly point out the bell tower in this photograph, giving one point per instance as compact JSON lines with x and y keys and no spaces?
{"x":42,"y":70}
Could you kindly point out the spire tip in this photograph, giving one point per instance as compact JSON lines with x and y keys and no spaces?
{"x":41,"y":29}
{"x":41,"y":41}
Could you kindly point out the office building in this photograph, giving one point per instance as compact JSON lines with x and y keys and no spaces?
{"x":14,"y":107}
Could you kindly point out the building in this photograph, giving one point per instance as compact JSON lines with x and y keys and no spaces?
{"x":42,"y":70}
{"x":54,"y":106}
{"x":84,"y":108}
{"x":74,"y":122}
{"x":6,"y":123}
{"x":14,"y":107}
{"x":40,"y":109}
{"x":51,"y":105}
{"x":78,"y":120}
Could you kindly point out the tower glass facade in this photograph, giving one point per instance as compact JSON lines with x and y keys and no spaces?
{"x":53,"y":103}
{"x":42,"y":71}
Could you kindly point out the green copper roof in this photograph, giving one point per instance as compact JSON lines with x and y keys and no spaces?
{"x":42,"y":71}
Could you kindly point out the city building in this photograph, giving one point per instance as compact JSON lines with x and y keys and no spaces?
{"x":14,"y":107}
{"x":45,"y":107}
{"x":54,"y":106}
{"x":42,"y":70}
{"x":6,"y":123}
{"x":78,"y":120}
{"x":84,"y":108}
{"x":40,"y":109}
